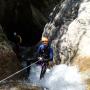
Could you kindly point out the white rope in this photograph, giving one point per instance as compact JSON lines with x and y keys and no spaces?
{"x":17,"y":72}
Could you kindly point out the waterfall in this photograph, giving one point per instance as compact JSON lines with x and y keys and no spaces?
{"x":69,"y":37}
{"x":60,"y":77}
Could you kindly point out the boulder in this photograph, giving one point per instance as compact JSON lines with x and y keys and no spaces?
{"x":9,"y":63}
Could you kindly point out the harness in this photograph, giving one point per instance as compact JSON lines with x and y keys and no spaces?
{"x":45,"y":52}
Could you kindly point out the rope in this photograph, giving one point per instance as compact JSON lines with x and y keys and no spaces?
{"x":17,"y":72}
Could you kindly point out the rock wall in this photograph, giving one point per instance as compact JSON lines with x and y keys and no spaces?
{"x":26,"y":17}
{"x":9,"y":63}
{"x":70,"y":38}
{"x":61,"y":16}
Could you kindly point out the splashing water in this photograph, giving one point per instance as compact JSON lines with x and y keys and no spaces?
{"x":60,"y":77}
{"x":35,"y":74}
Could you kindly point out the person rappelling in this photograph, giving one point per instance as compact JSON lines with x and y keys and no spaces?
{"x":17,"y":38}
{"x":45,"y":55}
{"x":17,"y":43}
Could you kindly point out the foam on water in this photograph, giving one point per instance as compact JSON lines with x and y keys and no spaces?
{"x":60,"y":77}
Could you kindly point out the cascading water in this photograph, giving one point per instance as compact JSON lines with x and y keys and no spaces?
{"x":65,"y":77}
{"x":60,"y":77}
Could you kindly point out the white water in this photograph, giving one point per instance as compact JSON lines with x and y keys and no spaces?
{"x":60,"y":77}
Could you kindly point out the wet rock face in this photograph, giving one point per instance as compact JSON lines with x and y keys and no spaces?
{"x":8,"y":60}
{"x":82,"y":58}
{"x":61,"y":16}
{"x":19,"y":86}
{"x":71,"y":39}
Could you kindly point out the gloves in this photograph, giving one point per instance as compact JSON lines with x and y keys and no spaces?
{"x":40,"y":58}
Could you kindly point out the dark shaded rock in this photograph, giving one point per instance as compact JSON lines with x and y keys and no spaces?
{"x":19,"y":86}
{"x":9,"y":63}
{"x":26,"y":17}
